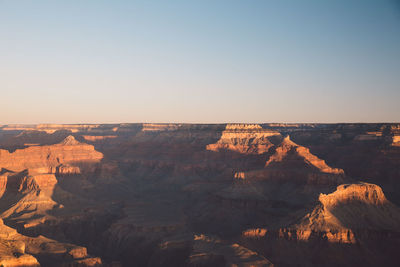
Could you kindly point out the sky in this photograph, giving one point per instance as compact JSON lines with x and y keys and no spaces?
{"x":208,"y":61}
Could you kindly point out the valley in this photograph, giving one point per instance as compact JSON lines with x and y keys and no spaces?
{"x":200,"y":195}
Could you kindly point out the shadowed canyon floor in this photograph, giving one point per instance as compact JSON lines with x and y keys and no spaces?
{"x":200,"y":195}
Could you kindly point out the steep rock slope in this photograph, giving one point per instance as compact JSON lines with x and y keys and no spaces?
{"x":294,"y":163}
{"x":288,"y":146}
{"x":355,"y":216}
{"x":27,"y":198}
{"x":354,"y":206}
{"x":20,"y":250}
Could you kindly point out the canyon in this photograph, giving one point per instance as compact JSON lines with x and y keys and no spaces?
{"x":194,"y":195}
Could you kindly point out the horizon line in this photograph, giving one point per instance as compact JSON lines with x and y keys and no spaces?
{"x":214,"y":123}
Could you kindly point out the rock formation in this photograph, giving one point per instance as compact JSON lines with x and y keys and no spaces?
{"x":244,"y":138}
{"x":288,"y":146}
{"x":20,"y":250}
{"x":355,"y":206}
{"x":12,"y":249}
{"x":294,"y":163}
{"x":27,"y":184}
{"x":50,"y":158}
{"x":209,"y":251}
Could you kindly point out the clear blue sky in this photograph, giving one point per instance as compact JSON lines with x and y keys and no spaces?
{"x":199,"y":61}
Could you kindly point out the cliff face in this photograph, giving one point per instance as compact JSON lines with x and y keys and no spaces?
{"x":288,"y":147}
{"x":20,"y":250}
{"x":347,"y":210}
{"x":200,"y":195}
{"x":31,"y":198}
{"x":244,"y":138}
{"x":51,"y":158}
{"x":12,"y":250}
{"x":296,"y":164}
{"x":354,"y":215}
{"x":358,"y":206}
{"x":27,"y":186}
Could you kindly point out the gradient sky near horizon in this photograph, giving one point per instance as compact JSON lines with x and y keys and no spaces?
{"x":199,"y":61}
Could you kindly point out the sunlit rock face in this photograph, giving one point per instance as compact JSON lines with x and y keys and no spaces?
{"x":156,"y":127}
{"x":244,"y":138}
{"x":52,"y":158}
{"x":20,"y":250}
{"x":165,"y":194}
{"x":27,"y":187}
{"x":350,"y":208}
{"x":353,"y":215}
{"x":288,"y":147}
{"x":94,"y":138}
{"x":396,"y":140}
{"x":31,"y":195}
{"x":294,"y":163}
{"x":12,"y":250}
